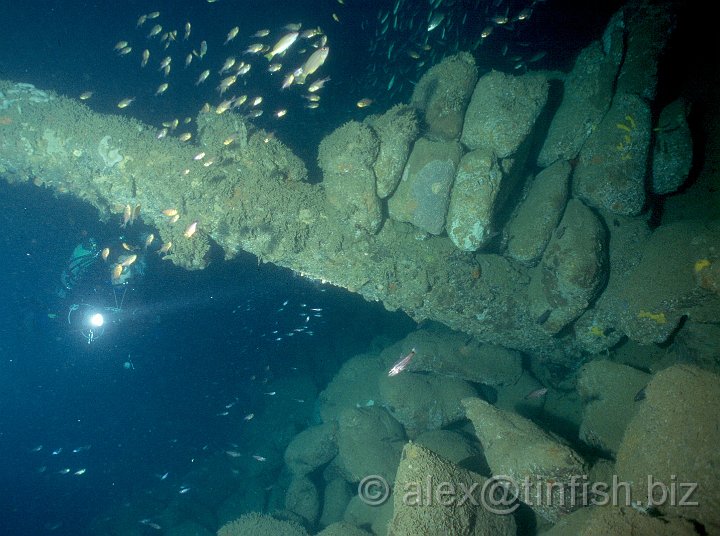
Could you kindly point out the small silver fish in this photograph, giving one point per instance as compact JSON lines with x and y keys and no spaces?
{"x":537,"y":393}
{"x":401,"y":364}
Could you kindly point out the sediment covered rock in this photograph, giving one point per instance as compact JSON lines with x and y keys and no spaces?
{"x":369,"y":443}
{"x":448,"y":353}
{"x":255,"y":524}
{"x":672,"y":440}
{"x":346,"y":158}
{"x":450,"y":445}
{"x":587,"y":93}
{"x":609,"y":391}
{"x":663,"y":287}
{"x":355,"y":385}
{"x":619,"y":520}
{"x":302,"y":499}
{"x":503,"y":111}
{"x":423,"y":194}
{"x":443,"y":93}
{"x":342,"y":528}
{"x":473,"y":200}
{"x":598,"y":328}
{"x":424,"y":402}
{"x":312,"y":448}
{"x":648,"y":26}
{"x":572,"y":269}
{"x":336,"y":496}
{"x":611,"y":169}
{"x":396,"y":130}
{"x":446,"y":514}
{"x":517,"y":448}
{"x":376,"y":517}
{"x":537,"y":216}
{"x":673,"y":148}
{"x":697,"y":343}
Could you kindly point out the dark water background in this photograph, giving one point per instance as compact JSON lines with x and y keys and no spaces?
{"x":194,"y":339}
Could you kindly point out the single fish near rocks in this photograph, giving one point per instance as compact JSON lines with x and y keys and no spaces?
{"x":402,"y":364}
{"x":537,"y":393}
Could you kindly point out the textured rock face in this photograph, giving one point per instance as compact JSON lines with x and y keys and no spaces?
{"x":376,"y":518}
{"x":336,"y":497}
{"x":452,"y":446}
{"x":619,"y":520}
{"x":539,"y":213}
{"x":610,"y":173}
{"x":369,"y":442}
{"x":109,"y":155}
{"x":502,"y":111}
{"x":519,"y":449}
{"x":572,"y":268}
{"x":342,"y":528}
{"x":396,"y":130}
{"x":663,"y":287}
{"x":444,"y":512}
{"x":609,"y":390}
{"x":302,"y":498}
{"x":346,"y":157}
{"x":598,"y":329}
{"x":673,"y":149}
{"x":424,"y":402}
{"x":649,"y":27}
{"x":423,"y":194}
{"x":587,"y":93}
{"x":355,"y":385}
{"x":473,"y":200}
{"x":311,"y":448}
{"x":673,"y":438}
{"x":258,"y":525}
{"x":443,"y":93}
{"x":707,"y":275}
{"x":447,"y":353}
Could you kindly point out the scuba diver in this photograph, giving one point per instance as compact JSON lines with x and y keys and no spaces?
{"x":101,"y":278}
{"x":83,"y":257}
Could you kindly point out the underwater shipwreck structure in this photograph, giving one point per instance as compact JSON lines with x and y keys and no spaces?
{"x":413,"y":210}
{"x":516,"y":209}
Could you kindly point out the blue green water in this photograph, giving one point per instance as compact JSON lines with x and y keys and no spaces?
{"x":87,"y":427}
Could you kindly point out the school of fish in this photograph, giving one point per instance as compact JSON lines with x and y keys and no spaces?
{"x":403,"y":39}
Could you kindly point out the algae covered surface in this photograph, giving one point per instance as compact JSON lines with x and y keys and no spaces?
{"x":406,"y":246}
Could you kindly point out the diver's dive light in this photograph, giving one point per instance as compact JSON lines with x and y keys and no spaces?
{"x":97,"y":320}
{"x":89,"y":320}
